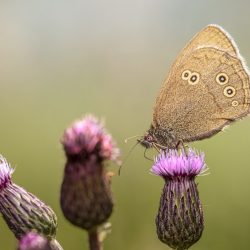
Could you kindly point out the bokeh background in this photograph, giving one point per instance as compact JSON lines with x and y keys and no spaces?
{"x":63,"y":59}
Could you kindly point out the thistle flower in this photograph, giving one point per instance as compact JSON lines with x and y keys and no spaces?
{"x":180,"y":218}
{"x":86,"y":138}
{"x":21,"y":210}
{"x":86,"y":198}
{"x":34,"y":241}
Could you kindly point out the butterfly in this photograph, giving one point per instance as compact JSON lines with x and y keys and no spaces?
{"x":206,"y":89}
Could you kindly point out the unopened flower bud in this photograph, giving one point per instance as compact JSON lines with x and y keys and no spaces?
{"x":180,"y":218}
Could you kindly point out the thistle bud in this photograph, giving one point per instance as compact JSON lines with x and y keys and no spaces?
{"x":86,"y":198}
{"x":34,"y":241}
{"x":21,"y":210}
{"x":180,"y":218}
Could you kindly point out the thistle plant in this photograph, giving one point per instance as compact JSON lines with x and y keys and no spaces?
{"x":86,"y":198}
{"x":22,"y":211}
{"x":179,"y":220}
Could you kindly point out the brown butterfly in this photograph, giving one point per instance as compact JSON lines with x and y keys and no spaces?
{"x":207,"y":88}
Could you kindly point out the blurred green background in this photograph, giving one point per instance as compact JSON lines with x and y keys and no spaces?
{"x":63,"y":59}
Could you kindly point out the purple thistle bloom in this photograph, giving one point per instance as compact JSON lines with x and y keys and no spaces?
{"x":21,"y":210}
{"x":88,"y":137}
{"x":5,"y":173}
{"x":171,"y":164}
{"x":86,"y":198}
{"x":180,"y":218}
{"x":34,"y":241}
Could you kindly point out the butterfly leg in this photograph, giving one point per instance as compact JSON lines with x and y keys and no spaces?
{"x":159,"y":147}
{"x":180,"y":145}
{"x":146,"y":156}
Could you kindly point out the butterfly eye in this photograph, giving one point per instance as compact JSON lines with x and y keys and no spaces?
{"x":194,"y":78}
{"x":186,"y":74}
{"x":222,"y":78}
{"x":229,"y":91}
{"x":149,"y":138}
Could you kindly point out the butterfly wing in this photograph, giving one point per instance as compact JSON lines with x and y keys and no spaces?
{"x":211,"y":36}
{"x":207,"y":88}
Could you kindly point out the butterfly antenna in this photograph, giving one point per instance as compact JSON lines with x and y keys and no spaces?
{"x":126,"y":157}
{"x":129,"y":138}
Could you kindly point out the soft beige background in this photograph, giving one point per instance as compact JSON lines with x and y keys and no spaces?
{"x":62,"y":59}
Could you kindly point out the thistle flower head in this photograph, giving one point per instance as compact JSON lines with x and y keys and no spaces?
{"x":87,"y":137}
{"x":33,"y":241}
{"x":5,"y":172}
{"x":171,"y":164}
{"x":86,"y":197}
{"x":179,"y":220}
{"x":22,"y":210}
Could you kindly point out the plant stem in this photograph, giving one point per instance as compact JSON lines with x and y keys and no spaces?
{"x":94,"y":241}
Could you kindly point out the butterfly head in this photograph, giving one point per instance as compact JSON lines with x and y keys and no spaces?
{"x":147,"y":140}
{"x":159,"y":138}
